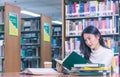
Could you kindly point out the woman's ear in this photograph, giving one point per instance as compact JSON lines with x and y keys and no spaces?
{"x":98,"y":36}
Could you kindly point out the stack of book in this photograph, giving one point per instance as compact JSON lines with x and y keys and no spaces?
{"x":75,"y":64}
{"x":89,"y":69}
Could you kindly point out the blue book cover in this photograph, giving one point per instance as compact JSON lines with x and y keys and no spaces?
{"x":70,"y":9}
{"x":81,"y":9}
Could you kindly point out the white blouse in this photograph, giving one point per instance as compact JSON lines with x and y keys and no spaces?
{"x":102,"y":56}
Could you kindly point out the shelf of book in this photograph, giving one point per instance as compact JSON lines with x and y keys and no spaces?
{"x":30,"y":37}
{"x":89,"y":17}
{"x":1,"y":15}
{"x":34,"y":50}
{"x":56,"y":43}
{"x":106,"y":25}
{"x":79,"y":14}
{"x":9,"y":51}
{"x":1,"y":24}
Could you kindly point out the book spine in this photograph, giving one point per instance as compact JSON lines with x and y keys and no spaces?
{"x":81,"y":9}
{"x":89,"y":65}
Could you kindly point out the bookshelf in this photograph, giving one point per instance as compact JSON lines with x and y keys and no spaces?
{"x":35,"y":49}
{"x":30,"y":43}
{"x":77,"y":14}
{"x":56,"y":43}
{"x":9,"y":32}
{"x":104,"y":14}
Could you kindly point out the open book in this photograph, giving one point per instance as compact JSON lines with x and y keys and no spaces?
{"x":73,"y":58}
{"x":39,"y":71}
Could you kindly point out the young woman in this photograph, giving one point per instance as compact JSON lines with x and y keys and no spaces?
{"x":93,"y":47}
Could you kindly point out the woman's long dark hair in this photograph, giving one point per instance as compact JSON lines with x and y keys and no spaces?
{"x":83,"y":47}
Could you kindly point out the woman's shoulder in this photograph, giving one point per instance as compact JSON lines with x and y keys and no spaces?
{"x":108,"y":50}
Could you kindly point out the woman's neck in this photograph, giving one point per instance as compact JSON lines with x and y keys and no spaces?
{"x":96,"y":47}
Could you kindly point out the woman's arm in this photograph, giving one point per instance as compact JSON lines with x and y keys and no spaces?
{"x":107,"y":60}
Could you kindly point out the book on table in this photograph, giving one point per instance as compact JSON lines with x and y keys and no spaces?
{"x":90,"y":67}
{"x":39,"y":71}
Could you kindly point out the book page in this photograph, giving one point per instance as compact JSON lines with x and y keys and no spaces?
{"x":39,"y":71}
{"x":59,"y":61}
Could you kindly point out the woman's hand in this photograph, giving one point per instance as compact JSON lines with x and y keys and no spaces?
{"x":59,"y":67}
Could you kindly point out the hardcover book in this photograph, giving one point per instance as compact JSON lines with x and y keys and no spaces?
{"x":70,"y":60}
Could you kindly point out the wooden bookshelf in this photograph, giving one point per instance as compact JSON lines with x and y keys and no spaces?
{"x":34,"y":28}
{"x":105,"y":20}
{"x":56,"y":43}
{"x":63,"y":29}
{"x":30,"y":43}
{"x":45,"y":49}
{"x":103,"y":14}
{"x":11,"y":40}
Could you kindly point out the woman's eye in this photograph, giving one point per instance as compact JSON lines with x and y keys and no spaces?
{"x":89,"y":38}
{"x":85,"y":40}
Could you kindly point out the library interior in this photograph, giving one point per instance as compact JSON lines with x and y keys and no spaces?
{"x":49,"y":38}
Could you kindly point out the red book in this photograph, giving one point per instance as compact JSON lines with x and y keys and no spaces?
{"x":85,"y":9}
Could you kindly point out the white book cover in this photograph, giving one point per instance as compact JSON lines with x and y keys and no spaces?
{"x":66,"y":10}
{"x":77,"y":9}
{"x":0,"y":16}
{"x":88,"y":65}
{"x":67,"y":48}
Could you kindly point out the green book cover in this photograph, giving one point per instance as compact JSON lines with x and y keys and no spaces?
{"x":73,"y":58}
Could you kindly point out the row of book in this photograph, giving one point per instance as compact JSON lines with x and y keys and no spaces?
{"x":29,"y":57}
{"x":29,"y":40}
{"x":112,"y":43}
{"x":92,"y":8}
{"x":116,"y":64}
{"x":1,"y":48}
{"x":30,"y":35}
{"x":56,"y":31}
{"x":29,"y":52}
{"x":1,"y":28}
{"x":1,"y":66}
{"x":30,"y":25}
{"x":33,"y":63}
{"x":73,"y":44}
{"x":1,"y":55}
{"x":56,"y":53}
{"x":105,"y":25}
{"x":56,"y":41}
{"x":1,"y":15}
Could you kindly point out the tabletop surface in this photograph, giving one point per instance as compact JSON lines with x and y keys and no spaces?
{"x":17,"y":74}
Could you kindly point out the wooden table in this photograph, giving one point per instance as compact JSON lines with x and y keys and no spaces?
{"x":48,"y":75}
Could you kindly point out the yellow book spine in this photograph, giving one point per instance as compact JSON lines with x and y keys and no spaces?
{"x":99,"y":68}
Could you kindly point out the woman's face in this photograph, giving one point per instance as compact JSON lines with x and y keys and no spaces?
{"x":92,"y":41}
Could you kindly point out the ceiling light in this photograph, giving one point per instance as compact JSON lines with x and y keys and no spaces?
{"x":57,"y":22}
{"x":30,"y":13}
